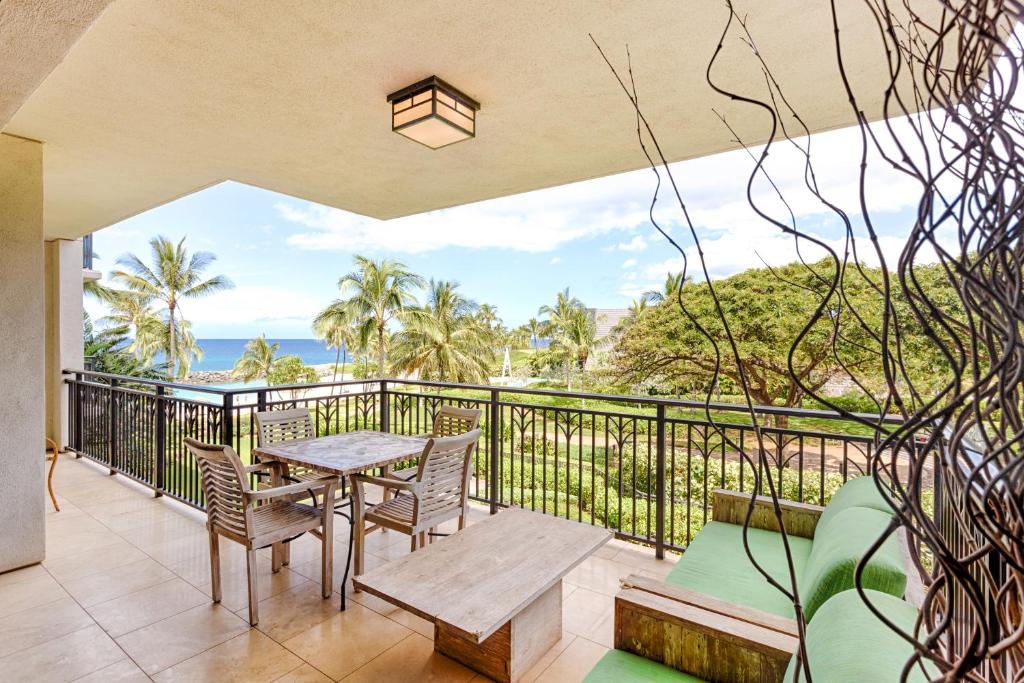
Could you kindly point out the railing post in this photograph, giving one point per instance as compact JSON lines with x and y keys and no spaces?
{"x":159,"y":463}
{"x":228,"y":419}
{"x":659,"y":486}
{"x":76,"y":407}
{"x":494,"y":437}
{"x":112,"y":433}
{"x":261,"y":401}
{"x":385,"y":411}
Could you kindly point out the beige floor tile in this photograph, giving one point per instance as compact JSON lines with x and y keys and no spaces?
{"x":306,"y":673}
{"x":162,"y":531}
{"x":30,"y":573}
{"x":71,"y":656}
{"x":574,"y":663}
{"x":393,"y":551}
{"x":58,"y":546}
{"x":111,"y":583}
{"x":15,"y":597}
{"x":36,"y":625}
{"x":292,"y":612}
{"x":584,"y":610}
{"x":413,"y":622}
{"x":124,"y":671}
{"x":154,"y":514}
{"x":60,"y":527}
{"x":144,"y":607}
{"x":347,"y":640}
{"x":175,"y":639}
{"x":412,"y":660}
{"x":642,"y":557}
{"x":178,"y":549}
{"x":196,"y":569}
{"x":94,"y":560}
{"x":251,"y":657}
{"x":547,"y":658}
{"x":600,"y":575}
{"x":235,"y":586}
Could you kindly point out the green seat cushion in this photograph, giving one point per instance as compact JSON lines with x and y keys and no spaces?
{"x":857,"y":492}
{"x":847,"y":643}
{"x":618,"y":666}
{"x":716,"y":564}
{"x":837,"y":548}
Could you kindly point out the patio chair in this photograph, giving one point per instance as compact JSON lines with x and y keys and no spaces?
{"x":438,"y":493}
{"x":449,"y":421}
{"x":278,"y":426}
{"x":232,"y":512}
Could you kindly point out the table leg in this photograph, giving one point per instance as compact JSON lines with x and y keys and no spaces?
{"x":276,"y":550}
{"x":515,"y":647}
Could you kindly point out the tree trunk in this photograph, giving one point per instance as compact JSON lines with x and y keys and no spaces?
{"x":337,"y":358}
{"x":170,"y":343}
{"x":380,"y":351}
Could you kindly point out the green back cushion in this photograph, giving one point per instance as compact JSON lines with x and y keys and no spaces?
{"x":857,"y":492}
{"x":716,"y":564}
{"x":837,"y":548}
{"x":624,"y":667}
{"x":847,"y":643}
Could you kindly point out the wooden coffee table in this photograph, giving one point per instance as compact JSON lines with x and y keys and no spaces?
{"x":492,"y":590}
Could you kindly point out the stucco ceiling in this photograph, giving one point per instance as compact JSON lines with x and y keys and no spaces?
{"x":159,"y":98}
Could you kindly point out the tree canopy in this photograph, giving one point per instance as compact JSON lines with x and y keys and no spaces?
{"x":768,"y":310}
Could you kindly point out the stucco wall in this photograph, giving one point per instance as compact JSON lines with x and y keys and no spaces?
{"x":22,"y":533}
{"x":63,"y":330}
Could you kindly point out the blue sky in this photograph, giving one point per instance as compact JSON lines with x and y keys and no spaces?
{"x":285,"y":255}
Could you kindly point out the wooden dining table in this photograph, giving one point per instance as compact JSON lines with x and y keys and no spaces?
{"x":344,"y":455}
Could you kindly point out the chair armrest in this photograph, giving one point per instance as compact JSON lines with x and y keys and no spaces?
{"x":398,"y":484}
{"x":800,"y":519}
{"x":261,"y":467}
{"x":292,"y":489}
{"x":784,"y":625}
{"x":699,"y":642}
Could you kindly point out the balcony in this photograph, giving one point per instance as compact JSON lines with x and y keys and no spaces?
{"x":125,"y":592}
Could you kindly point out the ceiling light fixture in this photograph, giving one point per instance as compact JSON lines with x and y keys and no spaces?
{"x":433,"y":113}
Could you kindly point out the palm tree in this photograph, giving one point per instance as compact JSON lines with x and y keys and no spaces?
{"x":535,"y":327}
{"x":377,"y":291}
{"x":565,"y":323}
{"x":173,"y":277}
{"x":444,"y":340}
{"x":257,"y":360}
{"x":673,"y":283}
{"x":575,"y":340}
{"x":334,"y":326}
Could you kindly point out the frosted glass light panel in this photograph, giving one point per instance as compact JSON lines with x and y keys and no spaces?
{"x":433,"y":113}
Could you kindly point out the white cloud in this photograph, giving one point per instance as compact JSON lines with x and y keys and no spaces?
{"x":634,"y":290}
{"x":248,"y":305}
{"x":630,"y":263}
{"x":638,"y":243}
{"x":555,"y":260}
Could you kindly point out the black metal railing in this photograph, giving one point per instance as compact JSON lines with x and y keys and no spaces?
{"x":644,"y":467}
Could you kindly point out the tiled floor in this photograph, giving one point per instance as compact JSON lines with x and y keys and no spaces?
{"x":124,"y":596}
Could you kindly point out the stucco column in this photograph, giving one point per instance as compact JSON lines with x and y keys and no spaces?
{"x":63,"y":330}
{"x":22,"y":351}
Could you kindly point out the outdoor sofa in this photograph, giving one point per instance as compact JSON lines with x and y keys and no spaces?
{"x":846,"y":643}
{"x":717,"y":618}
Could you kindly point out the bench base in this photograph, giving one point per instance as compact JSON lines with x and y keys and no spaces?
{"x":515,"y":647}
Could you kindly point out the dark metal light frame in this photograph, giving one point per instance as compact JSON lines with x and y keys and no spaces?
{"x":435,"y":91}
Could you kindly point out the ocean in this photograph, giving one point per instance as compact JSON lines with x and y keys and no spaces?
{"x":221,"y":354}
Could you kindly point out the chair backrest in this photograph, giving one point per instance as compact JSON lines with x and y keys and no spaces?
{"x":224,"y":485}
{"x":275,"y":426}
{"x":443,"y":475}
{"x":451,"y":420}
